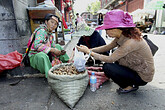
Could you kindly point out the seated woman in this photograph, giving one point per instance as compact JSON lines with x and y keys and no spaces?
{"x":44,"y":52}
{"x":135,"y":64}
{"x":89,"y":37}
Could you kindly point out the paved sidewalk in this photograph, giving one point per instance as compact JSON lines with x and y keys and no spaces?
{"x":36,"y":94}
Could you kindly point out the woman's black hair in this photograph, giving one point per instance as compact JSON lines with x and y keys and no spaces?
{"x":77,"y":13}
{"x":49,"y":16}
{"x":100,"y":15}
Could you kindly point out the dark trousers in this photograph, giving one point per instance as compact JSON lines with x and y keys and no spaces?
{"x":122,"y":75}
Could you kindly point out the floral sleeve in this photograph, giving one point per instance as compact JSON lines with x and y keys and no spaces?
{"x":52,"y":42}
{"x":39,"y":42}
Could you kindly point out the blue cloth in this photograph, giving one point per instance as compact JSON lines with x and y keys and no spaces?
{"x":95,"y":40}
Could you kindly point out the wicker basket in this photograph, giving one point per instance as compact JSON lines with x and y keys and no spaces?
{"x":69,"y":88}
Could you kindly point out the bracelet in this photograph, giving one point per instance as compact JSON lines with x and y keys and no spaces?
{"x":90,"y":53}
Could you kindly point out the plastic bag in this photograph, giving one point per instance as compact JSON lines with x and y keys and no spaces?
{"x":79,"y":60}
{"x":10,"y":60}
{"x":69,"y":88}
{"x":101,"y":78}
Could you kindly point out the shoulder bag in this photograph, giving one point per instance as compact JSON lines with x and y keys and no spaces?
{"x":152,"y":46}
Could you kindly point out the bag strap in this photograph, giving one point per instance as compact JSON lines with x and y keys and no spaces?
{"x":31,"y":42}
{"x":145,"y":37}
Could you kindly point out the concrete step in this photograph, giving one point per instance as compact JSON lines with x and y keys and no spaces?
{"x":23,"y":72}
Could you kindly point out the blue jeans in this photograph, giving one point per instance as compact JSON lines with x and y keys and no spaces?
{"x":122,"y":75}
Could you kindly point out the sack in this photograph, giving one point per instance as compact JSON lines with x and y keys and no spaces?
{"x":152,"y":46}
{"x":26,"y":60}
{"x":69,"y":88}
{"x":79,"y":60}
{"x":101,"y":78}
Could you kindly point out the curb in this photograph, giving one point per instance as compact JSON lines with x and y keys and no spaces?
{"x":37,"y":75}
{"x":66,"y":44}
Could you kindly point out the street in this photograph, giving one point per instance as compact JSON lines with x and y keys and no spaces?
{"x":36,"y":94}
{"x":45,"y":22}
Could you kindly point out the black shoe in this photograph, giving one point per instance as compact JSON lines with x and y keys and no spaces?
{"x":122,"y":91}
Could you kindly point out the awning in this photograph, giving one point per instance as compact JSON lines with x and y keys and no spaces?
{"x":155,"y":5}
{"x":103,"y":11}
{"x":143,"y":12}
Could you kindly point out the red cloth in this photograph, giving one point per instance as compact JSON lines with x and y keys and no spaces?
{"x":64,"y":23}
{"x":53,"y":2}
{"x":69,"y":8}
{"x":86,"y":39}
{"x":10,"y":60}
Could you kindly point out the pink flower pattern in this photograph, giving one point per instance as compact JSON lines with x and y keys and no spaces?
{"x":43,"y":44}
{"x":127,"y":19}
{"x":40,"y":44}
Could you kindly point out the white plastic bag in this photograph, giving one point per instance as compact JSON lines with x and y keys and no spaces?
{"x":79,"y":60}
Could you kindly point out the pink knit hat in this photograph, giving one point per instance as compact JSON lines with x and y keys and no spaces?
{"x":116,"y":19}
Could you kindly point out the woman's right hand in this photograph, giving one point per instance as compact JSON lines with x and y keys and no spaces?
{"x":55,"y":51}
{"x":63,"y":52}
{"x":83,"y":48}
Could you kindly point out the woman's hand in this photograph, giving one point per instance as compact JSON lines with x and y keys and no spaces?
{"x":83,"y":48}
{"x":55,"y":51}
{"x":63,"y":52}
